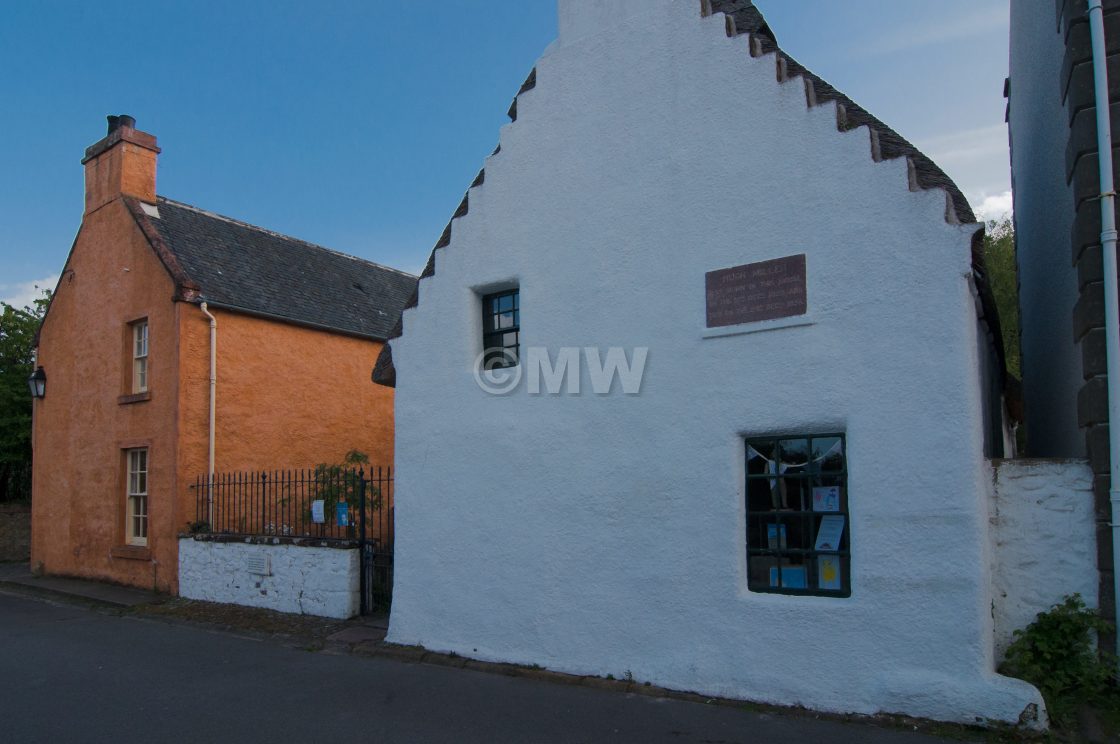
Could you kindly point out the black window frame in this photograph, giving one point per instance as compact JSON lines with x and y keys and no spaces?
{"x":497,"y":352}
{"x":796,"y":526}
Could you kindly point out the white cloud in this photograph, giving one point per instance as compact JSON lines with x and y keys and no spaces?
{"x":993,"y":207}
{"x":978,"y":161}
{"x":967,"y":145}
{"x":980,"y":23}
{"x":23,"y":294}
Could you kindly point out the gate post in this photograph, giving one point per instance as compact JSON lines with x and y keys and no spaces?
{"x":264,"y":506}
{"x":363,"y":577}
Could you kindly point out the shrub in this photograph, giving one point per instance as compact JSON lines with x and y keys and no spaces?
{"x":1057,"y":654}
{"x":201,"y":527}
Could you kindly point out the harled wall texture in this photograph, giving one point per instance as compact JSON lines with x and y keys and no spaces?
{"x":80,"y":427}
{"x":1043,"y":530}
{"x":298,"y":579}
{"x":287,"y":397}
{"x":596,"y":534}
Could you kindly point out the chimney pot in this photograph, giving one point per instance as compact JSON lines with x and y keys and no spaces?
{"x":122,"y":163}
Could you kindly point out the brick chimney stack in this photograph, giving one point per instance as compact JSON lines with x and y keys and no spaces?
{"x":123,"y":163}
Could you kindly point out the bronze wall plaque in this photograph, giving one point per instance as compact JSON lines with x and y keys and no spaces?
{"x":757,"y":291}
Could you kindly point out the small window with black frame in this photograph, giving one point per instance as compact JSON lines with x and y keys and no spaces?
{"x":797,"y":515}
{"x":501,"y":329}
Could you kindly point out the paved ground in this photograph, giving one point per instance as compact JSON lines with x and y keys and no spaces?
{"x":110,"y":594}
{"x":75,"y":674}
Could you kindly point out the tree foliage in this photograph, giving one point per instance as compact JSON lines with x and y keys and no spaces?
{"x":999,"y":259}
{"x":341,"y":483}
{"x":17,"y":338}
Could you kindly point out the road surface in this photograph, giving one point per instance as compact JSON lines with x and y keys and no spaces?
{"x":73,"y":674}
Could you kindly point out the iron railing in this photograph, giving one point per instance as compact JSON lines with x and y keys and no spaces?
{"x":323,"y":502}
{"x":326,"y":502}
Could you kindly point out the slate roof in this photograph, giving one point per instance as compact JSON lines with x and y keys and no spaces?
{"x":242,"y":267}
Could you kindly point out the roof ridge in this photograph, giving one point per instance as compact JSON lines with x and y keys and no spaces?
{"x":274,"y":233}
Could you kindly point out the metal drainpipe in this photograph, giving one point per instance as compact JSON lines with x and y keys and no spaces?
{"x":213,"y":386}
{"x":1108,"y":258}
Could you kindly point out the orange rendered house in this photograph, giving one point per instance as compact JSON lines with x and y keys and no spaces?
{"x":150,"y":289}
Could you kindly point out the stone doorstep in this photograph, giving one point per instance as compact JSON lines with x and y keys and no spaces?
{"x":358,"y":634}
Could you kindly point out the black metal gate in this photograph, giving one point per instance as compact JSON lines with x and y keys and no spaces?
{"x":375,"y":541}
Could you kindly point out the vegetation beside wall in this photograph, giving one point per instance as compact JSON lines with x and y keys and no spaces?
{"x":17,"y":337}
{"x":999,"y":259}
{"x":1058,"y":654}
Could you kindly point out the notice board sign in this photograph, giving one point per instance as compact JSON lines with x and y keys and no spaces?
{"x":757,"y":291}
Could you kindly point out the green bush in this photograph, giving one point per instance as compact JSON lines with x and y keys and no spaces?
{"x":1057,"y":654}
{"x":201,"y":527}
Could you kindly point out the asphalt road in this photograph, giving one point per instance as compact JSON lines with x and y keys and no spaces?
{"x":71,"y":674}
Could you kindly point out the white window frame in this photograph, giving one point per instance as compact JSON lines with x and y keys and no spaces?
{"x":136,"y":496}
{"x":140,"y":356}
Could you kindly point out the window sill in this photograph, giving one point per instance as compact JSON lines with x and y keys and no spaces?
{"x":794,"y":321}
{"x":131,"y":552}
{"x":135,"y":398}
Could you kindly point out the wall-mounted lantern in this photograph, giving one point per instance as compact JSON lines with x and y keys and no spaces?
{"x":38,"y":383}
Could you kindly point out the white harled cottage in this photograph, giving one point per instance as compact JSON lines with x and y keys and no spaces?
{"x":782,"y":492}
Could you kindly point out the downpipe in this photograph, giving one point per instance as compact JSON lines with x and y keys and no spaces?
{"x":1108,"y":259}
{"x":213,"y":391}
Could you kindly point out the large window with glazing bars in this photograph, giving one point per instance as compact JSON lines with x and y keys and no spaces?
{"x":140,"y":356}
{"x":798,"y":536}
{"x":501,"y":329}
{"x":136,"y":497}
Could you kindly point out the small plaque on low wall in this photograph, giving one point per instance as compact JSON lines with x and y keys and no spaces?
{"x":757,"y":291}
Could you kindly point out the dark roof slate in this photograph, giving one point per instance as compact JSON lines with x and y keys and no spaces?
{"x":240,"y":266}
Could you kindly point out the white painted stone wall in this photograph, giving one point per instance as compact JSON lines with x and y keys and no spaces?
{"x":1048,"y":283}
{"x":304,"y":580}
{"x":1044,"y":537}
{"x":604,"y":534}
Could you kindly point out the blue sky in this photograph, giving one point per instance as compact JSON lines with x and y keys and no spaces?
{"x":358,"y":125}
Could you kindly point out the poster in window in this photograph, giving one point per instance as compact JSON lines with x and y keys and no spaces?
{"x":828,"y":573}
{"x":830,"y":533}
{"x":776,"y":536}
{"x":793,"y":577}
{"x":826,"y":499}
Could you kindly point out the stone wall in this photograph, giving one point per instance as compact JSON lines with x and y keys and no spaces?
{"x":15,"y":532}
{"x":1042,"y":538}
{"x":1076,"y":86}
{"x":308,"y":579}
